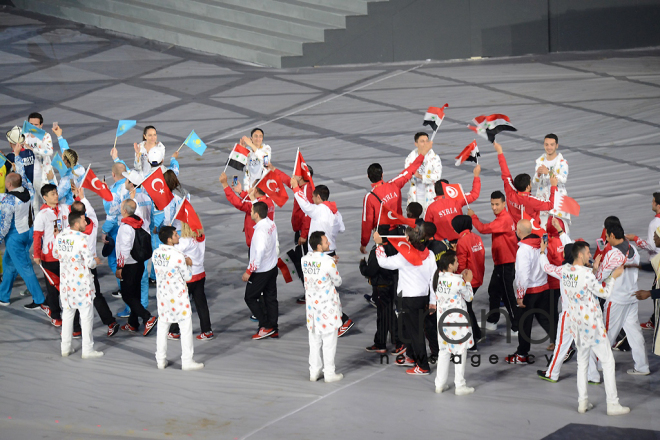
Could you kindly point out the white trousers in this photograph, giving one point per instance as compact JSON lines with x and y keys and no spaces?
{"x":562,"y":345}
{"x":442,"y":373}
{"x":326,"y":342}
{"x":86,"y":324}
{"x":626,"y":316}
{"x":604,"y":353}
{"x":186,"y":339}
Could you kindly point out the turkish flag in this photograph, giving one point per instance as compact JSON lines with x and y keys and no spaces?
{"x":187,"y":214}
{"x":453,"y":191}
{"x":157,"y":190}
{"x":271,"y":184}
{"x":92,"y":182}
{"x":300,"y":169}
{"x":389,"y":217}
{"x":53,"y":279}
{"x":406,"y":250}
{"x":536,"y":229}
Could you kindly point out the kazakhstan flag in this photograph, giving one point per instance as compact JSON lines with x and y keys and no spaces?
{"x":31,"y":129}
{"x":124,"y":126}
{"x":195,"y":143}
{"x":58,"y":164}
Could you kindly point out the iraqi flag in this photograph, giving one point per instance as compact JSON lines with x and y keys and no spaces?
{"x":157,"y":190}
{"x":469,"y":154}
{"x":92,"y":182}
{"x":286,"y":266}
{"x":187,"y":214}
{"x":566,"y":204}
{"x":274,"y":188}
{"x":453,"y":191}
{"x":488,"y":126}
{"x":406,"y":250}
{"x":238,"y":157}
{"x":53,"y":279}
{"x":300,"y":169}
{"x":434,"y":116}
{"x":389,"y":217}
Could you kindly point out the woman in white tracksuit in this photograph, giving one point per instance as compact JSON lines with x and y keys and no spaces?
{"x":256,"y":164}
{"x":451,"y":291}
{"x":142,"y":150}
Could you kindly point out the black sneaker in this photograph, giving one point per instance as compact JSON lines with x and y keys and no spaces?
{"x":376,"y":349}
{"x":116,"y":294}
{"x":622,"y":344}
{"x":473,"y":349}
{"x":541,"y":374}
{"x":253,"y":318}
{"x":370,"y":300}
{"x":32,"y":306}
{"x":433,"y":359}
{"x":570,"y":354}
{"x":152,"y":282}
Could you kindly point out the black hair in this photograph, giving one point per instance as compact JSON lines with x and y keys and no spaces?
{"x":375,"y":173}
{"x":447,"y":258}
{"x":578,"y":247}
{"x":617,"y":230}
{"x":315,"y":239}
{"x":35,"y":115}
{"x":419,"y":135}
{"x":311,"y":171}
{"x":259,"y":191}
{"x":261,"y":209}
{"x":656,"y":197}
{"x":74,"y":217}
{"x":414,"y":210}
{"x":416,"y":238}
{"x":47,"y":188}
{"x":146,"y":129}
{"x":611,"y":221}
{"x":166,"y":232}
{"x":522,"y":181}
{"x":552,"y":136}
{"x":257,"y":129}
{"x":78,"y":206}
{"x":429,"y":229}
{"x":438,"y":187}
{"x":323,"y":192}
{"x":171,"y":180}
{"x":497,"y":195}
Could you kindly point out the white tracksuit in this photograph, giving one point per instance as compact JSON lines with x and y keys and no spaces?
{"x":324,"y":217}
{"x":422,"y":190}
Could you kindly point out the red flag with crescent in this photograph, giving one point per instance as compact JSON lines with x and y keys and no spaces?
{"x":406,"y":250}
{"x":98,"y":186}
{"x":157,"y":189}
{"x":389,"y":217}
{"x":271,"y":184}
{"x":187,"y":214}
{"x":300,"y":169}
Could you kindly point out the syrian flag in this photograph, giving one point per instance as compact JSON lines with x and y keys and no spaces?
{"x":238,"y":157}
{"x":187,"y":214}
{"x":536,"y":229}
{"x":274,"y":188}
{"x":286,"y":266}
{"x":389,"y":217}
{"x":434,"y":116}
{"x":157,"y":190}
{"x":406,"y":250}
{"x":566,"y":204}
{"x":453,"y":191}
{"x":300,"y":169}
{"x":92,"y":182}
{"x":53,"y":279}
{"x":469,"y":154}
{"x":488,"y":126}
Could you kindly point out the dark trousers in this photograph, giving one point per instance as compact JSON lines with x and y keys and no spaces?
{"x":413,"y":315}
{"x":536,"y":305}
{"x":555,"y":296}
{"x":131,"y":292}
{"x":100,"y":304}
{"x":53,"y":295}
{"x":263,"y":283}
{"x":299,"y":252}
{"x":476,"y":330}
{"x":500,"y":289}
{"x":196,"y":289}
{"x":431,"y":332}
{"x":384,"y":297}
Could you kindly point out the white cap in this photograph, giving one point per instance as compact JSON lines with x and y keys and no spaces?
{"x":156,"y":155}
{"x":15,"y":135}
{"x":134,"y":176}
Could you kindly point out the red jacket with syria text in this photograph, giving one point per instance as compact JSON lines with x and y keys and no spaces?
{"x":390,"y":194}
{"x":471,"y":254}
{"x":246,"y":207}
{"x":503,"y":230}
{"x":444,"y":209}
{"x":516,"y":200}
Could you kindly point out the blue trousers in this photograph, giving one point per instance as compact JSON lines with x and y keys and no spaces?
{"x":17,"y":262}
{"x":112,"y":258}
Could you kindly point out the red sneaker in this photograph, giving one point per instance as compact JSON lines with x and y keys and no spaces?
{"x":417,"y":371}
{"x":149,"y":325}
{"x":56,"y":322}
{"x":375,"y":349}
{"x":404,"y":361}
{"x":45,"y":309}
{"x":516,"y":359}
{"x":205,"y":336}
{"x":263,"y":333}
{"x":128,"y":328}
{"x":77,"y":335}
{"x":174,"y":336}
{"x":344,"y":328}
{"x":113,"y":328}
{"x":400,"y":349}
{"x":648,"y":325}
{"x":275,"y":335}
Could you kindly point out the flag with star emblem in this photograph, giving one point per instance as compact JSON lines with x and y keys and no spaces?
{"x":124,"y":126}
{"x":35,"y":131}
{"x":195,"y":143}
{"x":157,"y":190}
{"x":274,"y":188}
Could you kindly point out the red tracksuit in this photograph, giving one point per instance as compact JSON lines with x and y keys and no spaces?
{"x":299,"y":221}
{"x":518,"y":200}
{"x":505,"y":242}
{"x":246,"y":207}
{"x":471,"y":254}
{"x":443,"y":210}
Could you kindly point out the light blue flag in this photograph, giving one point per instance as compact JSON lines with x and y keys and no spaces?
{"x":195,"y":143}
{"x":31,"y":129}
{"x":124,"y":126}
{"x":58,"y":164}
{"x":3,"y":160}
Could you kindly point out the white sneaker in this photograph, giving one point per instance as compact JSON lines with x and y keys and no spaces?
{"x":334,"y":378}
{"x":67,"y":353}
{"x":463,"y":391}
{"x":584,"y":406}
{"x":192,"y":365}
{"x":315,"y":377}
{"x":634,"y":372}
{"x":514,"y":334}
{"x":441,"y":389}
{"x":491,"y":327}
{"x":92,"y":355}
{"x":615,"y":409}
{"x":161,"y":364}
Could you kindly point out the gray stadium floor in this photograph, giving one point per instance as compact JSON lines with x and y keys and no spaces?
{"x":604,"y":106}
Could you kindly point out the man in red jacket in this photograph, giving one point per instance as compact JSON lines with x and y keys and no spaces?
{"x":519,"y":192}
{"x":387,"y":193}
{"x":443,"y":209}
{"x":471,"y":254}
{"x":504,"y":248}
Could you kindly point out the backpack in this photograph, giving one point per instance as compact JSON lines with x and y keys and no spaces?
{"x":141,"y":250}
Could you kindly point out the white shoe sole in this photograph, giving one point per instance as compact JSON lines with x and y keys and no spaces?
{"x":464,"y":391}
{"x":583,"y":409}
{"x":634,"y":372}
{"x":440,"y":390}
{"x":335,"y":378}
{"x":92,"y":355}
{"x":193,"y":367}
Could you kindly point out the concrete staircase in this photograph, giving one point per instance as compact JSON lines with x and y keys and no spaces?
{"x":268,"y":32}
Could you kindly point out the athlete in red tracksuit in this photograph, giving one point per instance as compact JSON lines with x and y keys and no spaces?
{"x":471,"y":254}
{"x":389,"y":193}
{"x":521,"y":199}
{"x":443,"y":209}
{"x":504,"y":248}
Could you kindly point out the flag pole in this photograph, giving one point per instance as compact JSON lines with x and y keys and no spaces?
{"x":380,"y":211}
{"x":115,"y":145}
{"x":184,"y":143}
{"x":465,"y":198}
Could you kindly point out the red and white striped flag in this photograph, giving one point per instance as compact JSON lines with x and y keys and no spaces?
{"x":238,"y":157}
